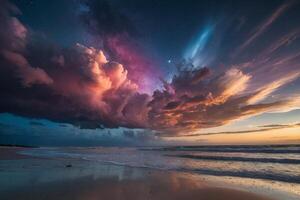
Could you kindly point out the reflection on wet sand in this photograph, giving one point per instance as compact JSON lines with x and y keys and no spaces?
{"x":158,"y":187}
{"x":37,"y":179}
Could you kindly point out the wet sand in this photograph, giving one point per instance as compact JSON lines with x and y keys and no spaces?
{"x":37,"y":179}
{"x":10,"y":153}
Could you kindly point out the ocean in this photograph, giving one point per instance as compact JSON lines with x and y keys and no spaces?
{"x":280,"y":163}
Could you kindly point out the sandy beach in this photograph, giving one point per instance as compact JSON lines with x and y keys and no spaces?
{"x":33,"y":178}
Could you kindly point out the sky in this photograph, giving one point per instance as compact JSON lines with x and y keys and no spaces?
{"x":136,"y":73}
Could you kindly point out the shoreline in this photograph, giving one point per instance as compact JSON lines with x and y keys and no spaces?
{"x":142,"y":181}
{"x":8,"y":153}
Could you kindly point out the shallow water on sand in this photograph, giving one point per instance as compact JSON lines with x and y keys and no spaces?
{"x":270,"y":167}
{"x":36,"y":179}
{"x":276,"y":163}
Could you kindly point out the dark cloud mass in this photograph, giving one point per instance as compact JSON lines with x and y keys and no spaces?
{"x":93,"y":88}
{"x":104,"y":20}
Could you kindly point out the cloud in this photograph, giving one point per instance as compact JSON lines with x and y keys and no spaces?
{"x":103,"y":19}
{"x":117,"y":34}
{"x":27,"y":73}
{"x":78,"y":85}
{"x":88,"y":91}
{"x":12,"y":43}
{"x":267,"y":89}
{"x":36,"y":123}
{"x":85,"y":86}
{"x":212,"y":100}
{"x":264,"y":128}
{"x":265,"y":25}
{"x":4,"y":126}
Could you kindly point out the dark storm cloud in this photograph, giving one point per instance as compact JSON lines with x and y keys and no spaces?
{"x":104,"y":20}
{"x":12,"y":46}
{"x":15,"y":130}
{"x":4,"y":126}
{"x":87,"y":91}
{"x":35,"y":123}
{"x":76,"y":85}
{"x":141,"y":137}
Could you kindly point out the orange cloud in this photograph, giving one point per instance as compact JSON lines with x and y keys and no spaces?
{"x":213,"y":101}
